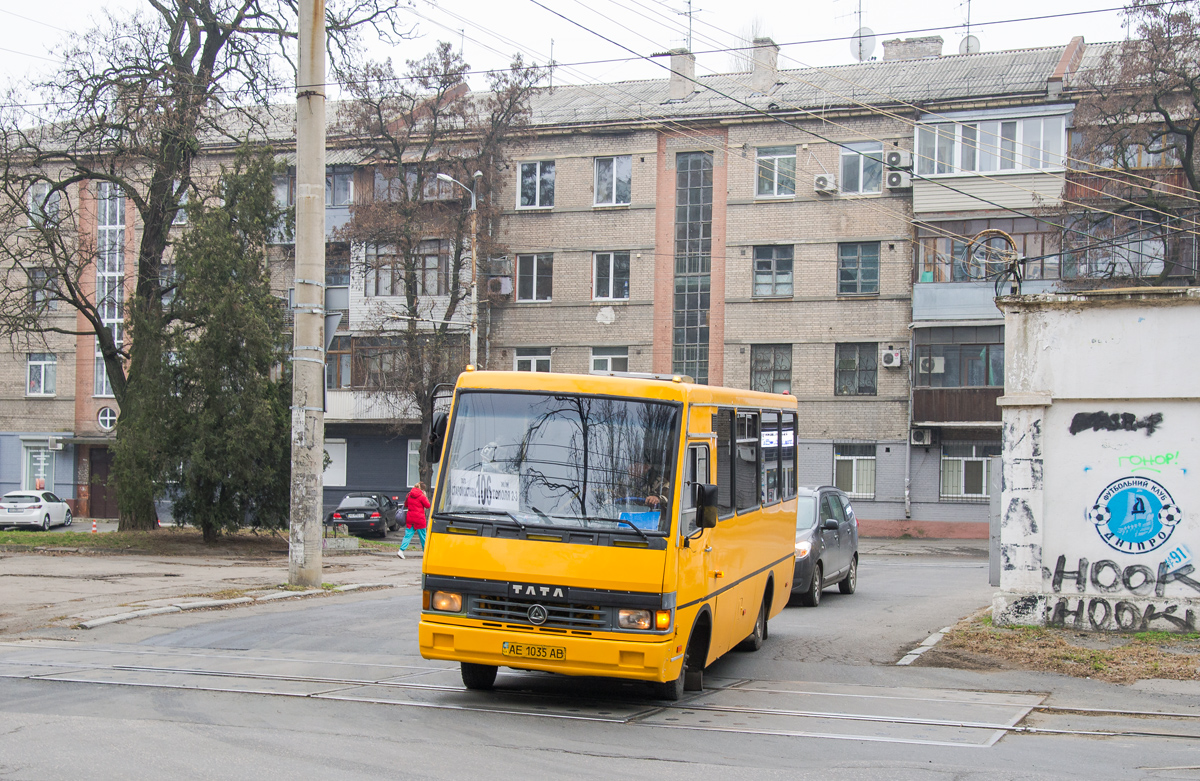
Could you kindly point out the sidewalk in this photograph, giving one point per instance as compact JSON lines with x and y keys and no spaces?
{"x":55,"y":591}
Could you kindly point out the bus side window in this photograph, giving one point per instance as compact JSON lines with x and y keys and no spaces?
{"x":695,"y":472}
{"x":723,"y":428}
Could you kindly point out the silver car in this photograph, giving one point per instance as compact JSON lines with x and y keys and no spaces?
{"x":41,"y":509}
{"x":826,"y":544}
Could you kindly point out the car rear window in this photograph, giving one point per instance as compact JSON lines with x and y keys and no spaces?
{"x":361,"y":502}
{"x":20,"y":499}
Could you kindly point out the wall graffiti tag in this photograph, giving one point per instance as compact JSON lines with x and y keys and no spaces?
{"x":1102,"y":613}
{"x":1134,"y":515}
{"x":1148,"y":462}
{"x":1116,"y":421}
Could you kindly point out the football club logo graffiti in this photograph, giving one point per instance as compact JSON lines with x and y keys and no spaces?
{"x":1135,"y":515}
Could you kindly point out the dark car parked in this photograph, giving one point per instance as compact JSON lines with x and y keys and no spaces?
{"x":826,"y":544}
{"x":368,"y":512}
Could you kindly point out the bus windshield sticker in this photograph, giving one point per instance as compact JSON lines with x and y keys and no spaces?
{"x":486,"y":490}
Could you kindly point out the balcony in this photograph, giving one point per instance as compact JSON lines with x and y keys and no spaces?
{"x":956,"y":405}
{"x":1083,"y":186}
{"x":349,"y":406}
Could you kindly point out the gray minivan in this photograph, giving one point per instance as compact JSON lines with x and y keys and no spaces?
{"x":826,"y":543}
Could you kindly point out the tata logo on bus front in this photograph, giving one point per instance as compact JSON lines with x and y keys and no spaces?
{"x":530,"y":590}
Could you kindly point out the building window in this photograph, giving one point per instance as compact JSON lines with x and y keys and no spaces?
{"x":854,"y":470}
{"x":40,"y":372}
{"x":773,"y":271}
{"x":771,"y":367}
{"x":611,"y":278}
{"x":614,"y":179}
{"x":857,"y":368}
{"x":965,"y":469}
{"x":942,"y":249}
{"x":414,"y":461}
{"x":858,"y":268}
{"x":693,"y":264}
{"x":385,"y":273}
{"x":610,"y":359}
{"x":1031,"y":143}
{"x":339,"y":187}
{"x":862,"y":167}
{"x":43,"y":204}
{"x":776,"y":170}
{"x":337,"y":363}
{"x":39,"y":469}
{"x":960,"y":357}
{"x":537,"y":185}
{"x":110,"y":274}
{"x":284,"y":187}
{"x":43,"y":286}
{"x":532,"y":359}
{"x":535,"y":277}
{"x":181,"y":215}
{"x":376,"y":363}
{"x":106,"y":418}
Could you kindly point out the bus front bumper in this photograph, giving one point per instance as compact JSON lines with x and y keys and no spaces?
{"x":655,"y":660}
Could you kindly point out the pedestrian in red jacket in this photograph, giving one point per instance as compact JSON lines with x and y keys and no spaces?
{"x":416,"y":503}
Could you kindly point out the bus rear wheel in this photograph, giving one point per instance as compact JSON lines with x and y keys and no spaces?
{"x":478,"y":677}
{"x":755,"y":640}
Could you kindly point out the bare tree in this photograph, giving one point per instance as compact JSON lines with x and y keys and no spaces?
{"x":129,"y":111}
{"x":741,"y":59}
{"x":411,"y":233}
{"x":1138,"y":124}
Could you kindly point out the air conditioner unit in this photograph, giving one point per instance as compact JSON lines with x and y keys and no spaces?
{"x":500,"y":286}
{"x":54,"y":443}
{"x":825,"y":184}
{"x":922,"y":436}
{"x":890,"y":358}
{"x":898,"y":180}
{"x":931,"y":365}
{"x":897,"y":158}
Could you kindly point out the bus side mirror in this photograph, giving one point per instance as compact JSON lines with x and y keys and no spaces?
{"x":437,"y":435}
{"x":706,"y":505}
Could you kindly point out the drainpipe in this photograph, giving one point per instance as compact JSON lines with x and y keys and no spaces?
{"x":908,"y":439}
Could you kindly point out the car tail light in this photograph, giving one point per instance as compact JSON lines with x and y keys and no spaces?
{"x":33,"y":507}
{"x":337,"y":516}
{"x":374,"y":515}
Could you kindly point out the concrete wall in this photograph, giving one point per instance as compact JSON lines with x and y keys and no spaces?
{"x":1100,"y":485}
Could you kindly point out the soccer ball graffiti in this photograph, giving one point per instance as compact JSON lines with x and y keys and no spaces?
{"x":1170,"y":515}
{"x":1099,"y":514}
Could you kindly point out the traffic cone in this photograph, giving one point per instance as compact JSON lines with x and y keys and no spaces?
{"x":93,"y":527}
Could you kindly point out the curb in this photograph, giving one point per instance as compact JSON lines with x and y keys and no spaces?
{"x":202,"y":604}
{"x":926,"y":644}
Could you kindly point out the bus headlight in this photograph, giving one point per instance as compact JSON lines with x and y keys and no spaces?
{"x":635,"y":619}
{"x":447,"y":602}
{"x":803,"y":548}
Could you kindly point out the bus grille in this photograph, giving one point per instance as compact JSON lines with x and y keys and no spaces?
{"x":516,"y":611}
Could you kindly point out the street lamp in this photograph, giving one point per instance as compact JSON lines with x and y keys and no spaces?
{"x":474,"y":270}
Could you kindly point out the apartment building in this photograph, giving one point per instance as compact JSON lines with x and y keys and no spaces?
{"x":800,"y":230}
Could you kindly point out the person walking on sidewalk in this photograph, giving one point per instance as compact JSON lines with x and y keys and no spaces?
{"x":416,"y":503}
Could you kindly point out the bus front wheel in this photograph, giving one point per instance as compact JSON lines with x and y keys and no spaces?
{"x":479,"y":677}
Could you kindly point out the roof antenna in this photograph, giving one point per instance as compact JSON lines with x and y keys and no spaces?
{"x":551,"y":63}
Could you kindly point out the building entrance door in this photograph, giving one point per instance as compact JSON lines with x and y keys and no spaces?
{"x":103,"y":496}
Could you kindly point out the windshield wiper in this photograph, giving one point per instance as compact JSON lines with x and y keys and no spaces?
{"x":506,"y":513}
{"x":631,"y":525}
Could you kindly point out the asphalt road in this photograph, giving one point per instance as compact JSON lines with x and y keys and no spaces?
{"x":335,"y":689}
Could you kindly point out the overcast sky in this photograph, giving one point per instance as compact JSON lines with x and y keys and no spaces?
{"x":491,"y":31}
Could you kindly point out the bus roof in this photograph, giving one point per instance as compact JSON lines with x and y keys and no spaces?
{"x":639,"y":387}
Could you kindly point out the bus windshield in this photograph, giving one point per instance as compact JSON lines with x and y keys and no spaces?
{"x":562,"y":460}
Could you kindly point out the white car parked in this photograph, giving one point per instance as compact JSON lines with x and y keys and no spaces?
{"x":33,"y":508}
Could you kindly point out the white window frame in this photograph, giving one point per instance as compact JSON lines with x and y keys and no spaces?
{"x":533,"y":258}
{"x":334,"y":177}
{"x":862,"y":469}
{"x":774,"y":155}
{"x":37,"y":461}
{"x":609,"y":260}
{"x":335,"y":474}
{"x":181,"y":216}
{"x":110,"y":275}
{"x":953,"y":469}
{"x":43,"y":204}
{"x":539,"y":170}
{"x":106,"y":418}
{"x":532,"y":359}
{"x":610,"y":359}
{"x":45,"y":366}
{"x":857,"y":155}
{"x":777,"y":277}
{"x":43,"y":283}
{"x":413,"y":475}
{"x":992,"y":142}
{"x":620,"y":167}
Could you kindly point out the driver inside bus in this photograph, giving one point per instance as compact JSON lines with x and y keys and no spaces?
{"x":649,"y":487}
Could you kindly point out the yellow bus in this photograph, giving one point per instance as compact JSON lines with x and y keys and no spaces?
{"x":634,"y":527}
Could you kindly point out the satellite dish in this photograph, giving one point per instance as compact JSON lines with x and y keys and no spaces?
{"x":969,"y":45}
{"x":862,"y":44}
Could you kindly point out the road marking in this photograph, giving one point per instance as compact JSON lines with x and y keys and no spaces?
{"x":926,"y":644}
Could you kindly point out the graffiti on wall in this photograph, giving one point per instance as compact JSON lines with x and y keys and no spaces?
{"x":1134,"y":515}
{"x":1123,"y":614}
{"x":1148,"y":462}
{"x":1117,"y":421}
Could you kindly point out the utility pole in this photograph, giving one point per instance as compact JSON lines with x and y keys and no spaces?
{"x":474,"y":263}
{"x":308,"y":348}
